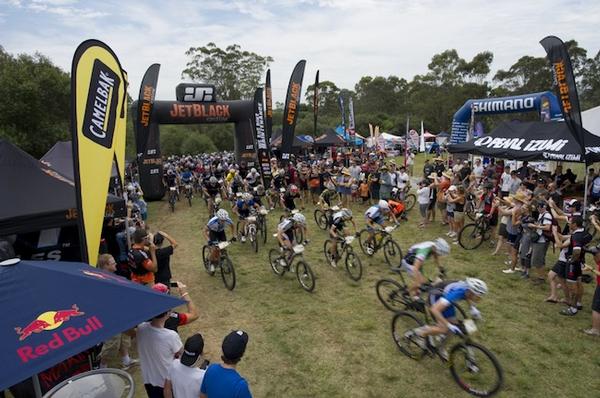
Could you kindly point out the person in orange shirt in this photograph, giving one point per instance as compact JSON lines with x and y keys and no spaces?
{"x":142,"y":258}
{"x":397,"y":209}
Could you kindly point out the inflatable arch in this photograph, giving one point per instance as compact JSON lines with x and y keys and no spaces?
{"x":545,"y":103}
{"x":195,"y":104}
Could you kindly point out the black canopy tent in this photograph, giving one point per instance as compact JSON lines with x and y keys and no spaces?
{"x":60,"y":158}
{"x":330,"y":138}
{"x":37,"y":197}
{"x":532,"y":141}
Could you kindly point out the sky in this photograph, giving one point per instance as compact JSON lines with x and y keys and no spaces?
{"x":344,"y":39}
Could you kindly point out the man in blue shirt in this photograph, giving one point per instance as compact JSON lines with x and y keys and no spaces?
{"x":222,"y":380}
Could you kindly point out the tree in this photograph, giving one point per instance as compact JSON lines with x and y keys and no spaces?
{"x":328,"y":98}
{"x":589,"y":90}
{"x":35,"y":102}
{"x":235,"y":73}
{"x":197,"y":143}
{"x":527,"y":75}
{"x":380,"y":94}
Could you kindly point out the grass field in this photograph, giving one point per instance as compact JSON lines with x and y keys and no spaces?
{"x":336,"y":342}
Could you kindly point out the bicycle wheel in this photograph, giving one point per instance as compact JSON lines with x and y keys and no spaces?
{"x":363,"y":235}
{"x":328,"y":251}
{"x":402,"y":324}
{"x":305,"y":276}
{"x":205,"y":260}
{"x":475,"y":369}
{"x":172,"y":204}
{"x":299,"y":236}
{"x":263,"y":230}
{"x":353,"y":266}
{"x":470,"y":210}
{"x":392,"y":294}
{"x":238,"y":232}
{"x":253,"y":240}
{"x":277,"y":262}
{"x":189,"y":198}
{"x":320,"y":219}
{"x":392,"y":253}
{"x":470,"y":237}
{"x":409,"y":201}
{"x":228,"y":273}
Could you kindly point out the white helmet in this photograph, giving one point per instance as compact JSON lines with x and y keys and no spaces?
{"x":222,"y":214}
{"x":441,"y":247}
{"x":346,"y":213}
{"x":253,"y":170}
{"x":247,"y":196}
{"x":299,"y":218}
{"x":383,"y":204}
{"x":477,"y":286}
{"x":218,"y":200}
{"x":213,"y":180}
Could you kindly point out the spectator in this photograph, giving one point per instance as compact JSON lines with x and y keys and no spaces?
{"x":387,"y":183}
{"x":184,"y":376}
{"x":539,"y":247}
{"x":595,"y":329}
{"x":142,"y":258}
{"x":428,"y":168}
{"x":163,"y":257}
{"x":525,"y":171}
{"x":177,"y":319}
{"x":410,"y":162}
{"x":594,"y":189}
{"x":515,"y":183}
{"x":223,"y":381}
{"x":478,"y":169}
{"x":439,"y":167}
{"x":157,"y":347}
{"x":505,"y":182}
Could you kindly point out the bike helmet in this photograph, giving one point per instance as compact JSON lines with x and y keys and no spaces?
{"x":247,"y":197}
{"x":383,"y":205}
{"x":213,"y":180}
{"x":293,"y":189}
{"x":299,"y":218}
{"x":253,"y":170}
{"x":260,"y":190}
{"x":442,"y":247}
{"x":218,"y":200}
{"x":222,"y":214}
{"x":346,"y":213}
{"x":477,"y":286}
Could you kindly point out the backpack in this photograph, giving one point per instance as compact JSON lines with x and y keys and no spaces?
{"x":548,"y":235}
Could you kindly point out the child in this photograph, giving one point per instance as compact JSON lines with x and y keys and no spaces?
{"x":363,"y":190}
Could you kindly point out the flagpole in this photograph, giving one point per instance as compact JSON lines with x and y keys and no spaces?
{"x":406,"y":139}
{"x":585,"y":192}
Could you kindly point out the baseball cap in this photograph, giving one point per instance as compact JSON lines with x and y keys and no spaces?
{"x":192,"y":350}
{"x":234,"y":344}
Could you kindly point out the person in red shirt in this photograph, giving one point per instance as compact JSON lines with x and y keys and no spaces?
{"x":142,"y":258}
{"x":397,"y":210}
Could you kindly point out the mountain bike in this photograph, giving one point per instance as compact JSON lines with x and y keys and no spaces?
{"x":172,"y":198}
{"x":472,"y":235}
{"x":473,"y":367}
{"x":224,"y":264}
{"x":351,"y":260}
{"x":282,"y":260}
{"x":261,"y":223}
{"x":470,"y":206}
{"x":409,"y":199}
{"x":323,"y":217}
{"x":189,"y":193}
{"x":382,"y":238}
{"x":249,"y":233}
{"x":298,"y":233}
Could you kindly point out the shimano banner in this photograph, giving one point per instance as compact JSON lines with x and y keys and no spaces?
{"x":290,"y":112}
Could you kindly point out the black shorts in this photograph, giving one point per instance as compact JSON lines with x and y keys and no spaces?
{"x":596,"y":300}
{"x":214,"y":236}
{"x":502,"y":231}
{"x":560,"y":269}
{"x":573,"y":273}
{"x":431,"y":205}
{"x":494,"y":220}
{"x":512,"y":238}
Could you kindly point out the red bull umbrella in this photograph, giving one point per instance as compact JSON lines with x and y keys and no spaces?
{"x":53,"y":310}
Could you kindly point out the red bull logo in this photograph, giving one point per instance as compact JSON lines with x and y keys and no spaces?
{"x":49,"y":321}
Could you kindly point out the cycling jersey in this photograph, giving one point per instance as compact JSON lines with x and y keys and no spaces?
{"x":288,"y":200}
{"x":375,"y":214}
{"x":171,"y":180}
{"x":216,"y":225}
{"x":451,"y":295}
{"x":328,"y":195}
{"x":213,"y":189}
{"x":338,"y":221}
{"x":244,"y":207}
{"x":421,"y":251}
{"x":287,"y":227}
{"x":186,"y":177}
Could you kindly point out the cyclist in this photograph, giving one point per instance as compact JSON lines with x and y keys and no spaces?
{"x":252,"y":179}
{"x":415,"y":258}
{"x":242,"y":208}
{"x":214,"y":231}
{"x":397,"y":209}
{"x":337,"y":229}
{"x":376,"y":216}
{"x":212,"y":188}
{"x":187,"y":178}
{"x":260,"y":194}
{"x":329,"y":197}
{"x":289,"y":196}
{"x":443,"y":311}
{"x":285,"y":230}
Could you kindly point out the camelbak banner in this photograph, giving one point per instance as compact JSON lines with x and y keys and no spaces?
{"x":269,"y":106}
{"x":262,"y":149}
{"x":98,"y":122}
{"x":565,"y":87}
{"x":316,"y":104}
{"x":144,"y":108}
{"x":290,"y":112}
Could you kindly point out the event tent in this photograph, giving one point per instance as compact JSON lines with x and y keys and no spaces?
{"x":531,"y":141}
{"x":60,"y":158}
{"x":590,"y":120}
{"x":330,"y":138}
{"x":300,"y":141}
{"x":37,"y":197}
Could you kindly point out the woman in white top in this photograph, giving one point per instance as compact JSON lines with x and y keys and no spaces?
{"x":423,"y":193}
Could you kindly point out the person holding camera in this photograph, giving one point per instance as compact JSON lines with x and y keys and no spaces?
{"x":177,"y":319}
{"x":163,"y":257}
{"x":142,"y":258}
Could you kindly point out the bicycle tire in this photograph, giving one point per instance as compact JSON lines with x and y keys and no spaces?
{"x":274,"y":261}
{"x":460,"y":353}
{"x":363,"y":235}
{"x":298,"y":235}
{"x":320,"y":219}
{"x":253,"y":241}
{"x":305,"y":276}
{"x":327,"y":246}
{"x":263,"y":230}
{"x":393,"y":295}
{"x":228,"y":273}
{"x":470,"y":210}
{"x":353,"y":266}
{"x":392,"y":253}
{"x":470,"y":237}
{"x":402,"y":323}
{"x":409,"y":201}
{"x":205,"y":260}
{"x":238,"y":233}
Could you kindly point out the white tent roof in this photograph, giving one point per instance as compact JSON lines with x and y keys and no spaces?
{"x":390,"y":137}
{"x":591,"y":120}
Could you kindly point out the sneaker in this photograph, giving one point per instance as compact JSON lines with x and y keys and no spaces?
{"x":518,"y":269}
{"x":452,"y":234}
{"x":243,"y":239}
{"x":333,"y":263}
{"x":579,"y":307}
{"x":369,"y":251}
{"x":211,"y":268}
{"x":455,"y":242}
{"x":508,"y":262}
{"x":508,"y":271}
{"x":132,"y":362}
{"x":569,"y":311}
{"x":592,"y":332}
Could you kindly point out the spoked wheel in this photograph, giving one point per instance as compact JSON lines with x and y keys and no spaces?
{"x":172,"y":204}
{"x":393,"y":253}
{"x":253,"y":240}
{"x":206,"y":261}
{"x":277,"y":262}
{"x":228,"y":273}
{"x":403,"y":324}
{"x":353,"y":266}
{"x":392,"y":294}
{"x":299,"y":235}
{"x":263,"y":231}
{"x":362,"y":239}
{"x":238,"y":231}
{"x":475,"y":369}
{"x":306,"y":278}
{"x":470,"y":210}
{"x":470,"y":237}
{"x":409,"y":201}
{"x":321,"y":219}
{"x":328,"y":251}
{"x":189,"y":198}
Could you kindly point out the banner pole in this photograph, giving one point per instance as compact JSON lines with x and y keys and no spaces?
{"x":585,"y":190}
